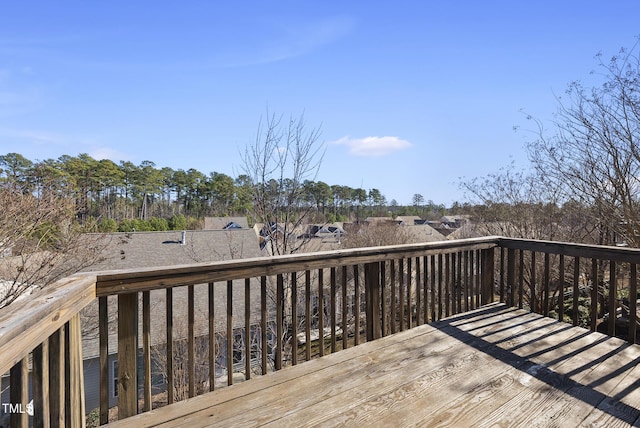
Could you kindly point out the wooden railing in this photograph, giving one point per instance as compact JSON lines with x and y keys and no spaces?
{"x":178,"y":331}
{"x":339,"y":298}
{"x":41,"y":349}
{"x":591,"y":286}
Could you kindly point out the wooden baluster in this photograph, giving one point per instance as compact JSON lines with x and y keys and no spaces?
{"x":372,"y":288}
{"x":458,"y":282}
{"x":432,"y":266}
{"x":511,"y":276}
{"x":503,"y":296}
{"x":146,"y":348}
{"x":401,"y":279}
{"x":478,"y":278}
{"x":333,"y":309}
{"x":560,"y":289}
{"x":521,"y":280}
{"x":594,"y":294}
{"x":418,"y":292}
{"x":263,"y":323}
{"x":212,"y":335}
{"x":247,"y":328}
{"x":320,"y":312}
{"x":392,"y":269}
{"x":409,"y":278}
{"x":307,"y":313}
{"x":532,"y":286}
{"x":279,"y":320}
{"x":472,"y":282}
{"x":57,"y":381}
{"x":170,"y":375}
{"x":576,"y":289}
{"x":613,"y":299}
{"x":448,"y":284}
{"x":633,"y":297}
{"x":229,"y":334}
{"x":40,"y":384}
{"x":191,"y":352}
{"x":19,"y":392}
{"x":547,"y":280}
{"x":294,"y":318}
{"x":467,"y":279}
{"x":425,"y":290}
{"x":383,"y":299}
{"x":105,"y":381}
{"x":74,"y":369}
{"x":440,"y":279}
{"x":356,"y":305}
{"x":345,"y":309}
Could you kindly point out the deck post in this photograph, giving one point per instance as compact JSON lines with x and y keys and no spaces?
{"x":372,"y":290}
{"x":127,"y":355}
{"x":487,"y":275}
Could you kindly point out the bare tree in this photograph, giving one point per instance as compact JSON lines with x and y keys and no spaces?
{"x":593,"y":154}
{"x":520,"y":204}
{"x":39,"y":242}
{"x":376,"y":235}
{"x":282,"y":157}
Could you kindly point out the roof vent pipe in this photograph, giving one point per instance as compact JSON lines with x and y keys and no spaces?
{"x":183,"y":241}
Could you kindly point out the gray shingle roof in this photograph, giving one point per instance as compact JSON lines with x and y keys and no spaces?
{"x":149,"y":249}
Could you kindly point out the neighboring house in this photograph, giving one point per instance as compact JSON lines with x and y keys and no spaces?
{"x":409,"y":220}
{"x":454,"y":222}
{"x":161,"y":249}
{"x":270,"y":231}
{"x":371,"y":220}
{"x":325,"y":231}
{"x":225,"y":223}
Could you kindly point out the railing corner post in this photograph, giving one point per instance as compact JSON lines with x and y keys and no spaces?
{"x":487,"y":275}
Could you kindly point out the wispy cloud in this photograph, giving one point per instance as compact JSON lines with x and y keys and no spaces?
{"x":373,"y":146}
{"x":34,"y":136}
{"x":298,"y":39}
{"x":48,"y":143}
{"x":287,"y":40}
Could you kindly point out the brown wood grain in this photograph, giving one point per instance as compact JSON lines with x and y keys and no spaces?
{"x":494,"y":366}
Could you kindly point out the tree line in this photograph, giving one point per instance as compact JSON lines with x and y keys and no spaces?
{"x":123,"y":192}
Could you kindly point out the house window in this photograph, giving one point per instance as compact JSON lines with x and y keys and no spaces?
{"x":114,"y":373}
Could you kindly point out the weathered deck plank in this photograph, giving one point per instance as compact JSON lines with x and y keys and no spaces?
{"x":493,"y":366}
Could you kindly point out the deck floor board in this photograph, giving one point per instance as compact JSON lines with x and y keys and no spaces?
{"x":495,"y":366}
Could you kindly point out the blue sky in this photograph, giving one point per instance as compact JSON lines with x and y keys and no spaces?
{"x":410,"y":95}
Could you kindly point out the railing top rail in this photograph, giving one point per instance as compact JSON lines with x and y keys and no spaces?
{"x":617,"y":254}
{"x":133,"y":280}
{"x":27,"y":323}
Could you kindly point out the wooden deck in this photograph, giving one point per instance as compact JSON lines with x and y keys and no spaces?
{"x":495,"y":366}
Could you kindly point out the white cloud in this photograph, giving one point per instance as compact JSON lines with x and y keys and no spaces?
{"x":100,"y":153}
{"x":373,"y":146}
